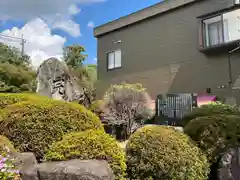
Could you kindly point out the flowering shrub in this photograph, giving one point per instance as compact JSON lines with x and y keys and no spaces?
{"x":7,"y":169}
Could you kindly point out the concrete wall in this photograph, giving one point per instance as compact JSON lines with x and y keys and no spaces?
{"x":163,"y":54}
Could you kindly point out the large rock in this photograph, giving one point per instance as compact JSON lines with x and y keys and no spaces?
{"x":229,"y":165}
{"x":25,"y":161}
{"x":70,"y":170}
{"x":55,"y":81}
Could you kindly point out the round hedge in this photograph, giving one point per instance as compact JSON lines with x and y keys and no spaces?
{"x":210,"y":109}
{"x":33,"y":126}
{"x":214,"y":134}
{"x":158,"y":152}
{"x":90,"y":145}
{"x":12,"y":98}
{"x":6,"y":146}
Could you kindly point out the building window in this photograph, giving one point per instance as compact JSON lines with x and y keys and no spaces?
{"x":114,"y":59}
{"x":221,"y":29}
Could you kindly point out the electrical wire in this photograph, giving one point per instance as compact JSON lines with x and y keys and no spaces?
{"x":6,"y":36}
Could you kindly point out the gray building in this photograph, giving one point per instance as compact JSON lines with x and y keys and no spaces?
{"x":175,"y":46}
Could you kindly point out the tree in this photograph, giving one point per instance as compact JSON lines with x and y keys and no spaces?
{"x":73,"y":55}
{"x":15,"y":71}
{"x":12,"y":55}
{"x":85,"y":75}
{"x":13,"y":78}
{"x":128,"y":105}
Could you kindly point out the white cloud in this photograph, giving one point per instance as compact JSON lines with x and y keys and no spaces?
{"x":49,"y":10}
{"x":73,"y":9}
{"x":95,"y":59}
{"x":41,"y":43}
{"x":69,"y":26}
{"x":26,"y":9}
{"x":91,"y":24}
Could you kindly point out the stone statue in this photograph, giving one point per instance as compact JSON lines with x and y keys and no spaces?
{"x":55,"y":81}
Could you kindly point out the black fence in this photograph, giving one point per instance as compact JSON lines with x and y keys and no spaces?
{"x":171,"y":108}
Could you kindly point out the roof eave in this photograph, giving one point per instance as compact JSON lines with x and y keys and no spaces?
{"x":141,"y":15}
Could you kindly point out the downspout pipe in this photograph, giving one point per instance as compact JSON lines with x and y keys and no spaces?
{"x":230,"y":64}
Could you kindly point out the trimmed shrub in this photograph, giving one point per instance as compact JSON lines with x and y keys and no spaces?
{"x":12,"y":98}
{"x":90,"y":145}
{"x":25,"y":87}
{"x":214,"y":134}
{"x":159,"y":152}
{"x":214,"y":108}
{"x":6,"y":146}
{"x":33,"y":126}
{"x":128,"y":105}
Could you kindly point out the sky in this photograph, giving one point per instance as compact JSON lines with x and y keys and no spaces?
{"x":49,"y":25}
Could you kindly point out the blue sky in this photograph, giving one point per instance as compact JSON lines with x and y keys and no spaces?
{"x":96,"y":12}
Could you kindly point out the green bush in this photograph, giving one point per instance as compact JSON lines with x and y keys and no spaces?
{"x":12,"y":98}
{"x":25,"y":87}
{"x":215,"y":133}
{"x":127,"y":105}
{"x":90,"y":145}
{"x":15,"y":75}
{"x":214,"y":108}
{"x":5,"y":146}
{"x":159,"y":152}
{"x":33,"y":126}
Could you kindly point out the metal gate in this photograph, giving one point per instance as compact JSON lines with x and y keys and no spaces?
{"x":171,"y":108}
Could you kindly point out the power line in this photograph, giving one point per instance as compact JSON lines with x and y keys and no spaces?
{"x":12,"y":40}
{"x":22,"y":41}
{"x":12,"y":37}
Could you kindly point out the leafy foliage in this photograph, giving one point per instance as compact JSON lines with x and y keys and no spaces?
{"x":32,"y":126}
{"x":86,"y":75}
{"x":90,"y":145}
{"x":13,"y":56}
{"x":7,"y":170}
{"x":15,"y":70}
{"x":214,"y":134}
{"x":12,"y":98}
{"x":126,"y":104}
{"x":158,"y":152}
{"x":6,"y":146}
{"x":210,"y":109}
{"x":15,"y":76}
{"x":73,"y":55}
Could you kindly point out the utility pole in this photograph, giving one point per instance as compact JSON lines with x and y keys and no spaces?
{"x":12,"y":38}
{"x":23,"y":41}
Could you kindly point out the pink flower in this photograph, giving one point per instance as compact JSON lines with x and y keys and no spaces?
{"x":3,"y":160}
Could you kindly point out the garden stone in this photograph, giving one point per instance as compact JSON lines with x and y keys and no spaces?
{"x":25,"y":161}
{"x":54,"y":80}
{"x":229,"y":165}
{"x":70,"y":170}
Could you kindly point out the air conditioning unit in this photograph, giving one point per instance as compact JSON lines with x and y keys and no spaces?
{"x":237,"y":2}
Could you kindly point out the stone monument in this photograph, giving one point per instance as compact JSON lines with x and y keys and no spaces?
{"x":54,"y":80}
